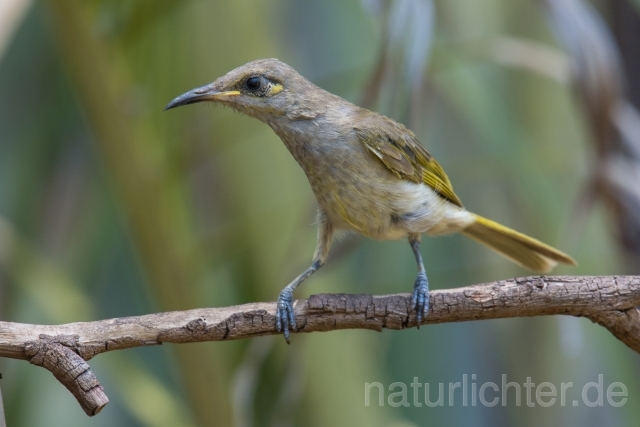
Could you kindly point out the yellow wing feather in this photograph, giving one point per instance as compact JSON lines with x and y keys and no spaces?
{"x":399,"y":150}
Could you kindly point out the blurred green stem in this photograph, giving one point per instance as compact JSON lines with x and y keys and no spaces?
{"x":162,"y":237}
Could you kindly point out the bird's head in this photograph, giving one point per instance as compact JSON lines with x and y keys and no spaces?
{"x":264,"y":89}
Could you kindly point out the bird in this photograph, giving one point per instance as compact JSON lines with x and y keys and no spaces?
{"x":369,"y":174}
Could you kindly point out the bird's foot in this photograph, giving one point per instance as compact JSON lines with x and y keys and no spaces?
{"x":285,"y":316}
{"x":420,"y":298}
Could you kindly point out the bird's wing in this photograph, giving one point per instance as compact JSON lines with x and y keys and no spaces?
{"x":400,"y":151}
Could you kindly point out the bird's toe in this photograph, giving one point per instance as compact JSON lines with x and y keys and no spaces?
{"x":285,"y":316}
{"x":420,"y":297}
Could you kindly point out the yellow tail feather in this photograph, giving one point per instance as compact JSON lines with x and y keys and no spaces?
{"x":519,"y":248}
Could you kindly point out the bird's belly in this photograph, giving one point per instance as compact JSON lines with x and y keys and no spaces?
{"x":384,"y":209}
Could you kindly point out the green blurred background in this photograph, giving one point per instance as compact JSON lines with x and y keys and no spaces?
{"x":110,"y":207}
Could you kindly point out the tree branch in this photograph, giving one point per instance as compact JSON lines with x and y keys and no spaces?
{"x":63,"y":349}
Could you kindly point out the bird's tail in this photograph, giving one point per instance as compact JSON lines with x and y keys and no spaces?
{"x":519,"y":248}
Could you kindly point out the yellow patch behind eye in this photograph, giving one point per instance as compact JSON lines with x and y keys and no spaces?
{"x":276,"y":88}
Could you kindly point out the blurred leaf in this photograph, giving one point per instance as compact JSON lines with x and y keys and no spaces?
{"x":409,"y":27}
{"x":46,"y":284}
{"x":12,"y":13}
{"x":595,"y":61}
{"x":531,"y":55}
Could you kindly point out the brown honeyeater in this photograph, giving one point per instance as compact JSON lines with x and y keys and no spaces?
{"x":368,"y":172}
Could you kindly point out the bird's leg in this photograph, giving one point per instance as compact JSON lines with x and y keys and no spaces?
{"x":285,"y":316}
{"x":420,"y":299}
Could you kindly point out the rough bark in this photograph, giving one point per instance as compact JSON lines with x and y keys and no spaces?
{"x":63,"y":349}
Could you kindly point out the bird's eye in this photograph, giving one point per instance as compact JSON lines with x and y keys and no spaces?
{"x":254,"y":83}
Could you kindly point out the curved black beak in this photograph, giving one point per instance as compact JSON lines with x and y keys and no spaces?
{"x":204,"y":93}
